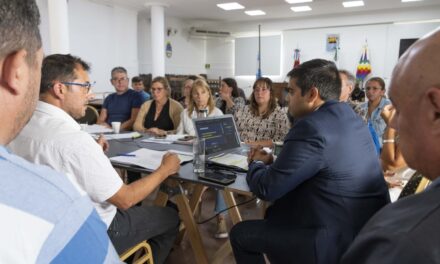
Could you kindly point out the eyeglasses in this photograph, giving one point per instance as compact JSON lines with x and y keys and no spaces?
{"x":119,"y":79}
{"x":87,"y":85}
{"x":156,"y":90}
{"x":372,"y":88}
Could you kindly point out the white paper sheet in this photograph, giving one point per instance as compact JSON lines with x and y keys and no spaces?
{"x":147,"y":158}
{"x":232,"y":159}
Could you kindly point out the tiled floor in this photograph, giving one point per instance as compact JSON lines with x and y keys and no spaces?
{"x":183,"y":253}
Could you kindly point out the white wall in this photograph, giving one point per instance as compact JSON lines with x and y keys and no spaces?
{"x":103,"y":35}
{"x":310,"y":36}
{"x":107,"y":35}
{"x":220,"y":56}
{"x":188,"y":54}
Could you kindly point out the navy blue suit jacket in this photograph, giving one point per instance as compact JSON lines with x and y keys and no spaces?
{"x":326,"y":182}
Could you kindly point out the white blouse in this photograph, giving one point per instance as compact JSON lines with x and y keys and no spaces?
{"x":186,"y":125}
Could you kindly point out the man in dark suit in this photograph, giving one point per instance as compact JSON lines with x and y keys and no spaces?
{"x":408,"y":231}
{"x":324,"y":185}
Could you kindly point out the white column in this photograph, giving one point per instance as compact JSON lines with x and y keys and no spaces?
{"x":157,"y":39}
{"x":58,"y":26}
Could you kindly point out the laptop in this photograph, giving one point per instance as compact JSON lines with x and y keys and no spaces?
{"x":222,"y":142}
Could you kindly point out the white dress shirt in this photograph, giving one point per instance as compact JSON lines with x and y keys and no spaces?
{"x":53,"y":138}
{"x":186,"y":125}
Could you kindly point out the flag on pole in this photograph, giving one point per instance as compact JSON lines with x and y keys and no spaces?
{"x":258,"y":75}
{"x":296,"y":58}
{"x":364,"y":66}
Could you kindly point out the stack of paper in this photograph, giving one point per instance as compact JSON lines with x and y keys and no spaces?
{"x":123,"y":135}
{"x":149,"y":159}
{"x":169,"y":139}
{"x":96,"y":129}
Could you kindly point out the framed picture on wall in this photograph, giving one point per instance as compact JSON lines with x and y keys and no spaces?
{"x":332,"y":42}
{"x":405,"y":44}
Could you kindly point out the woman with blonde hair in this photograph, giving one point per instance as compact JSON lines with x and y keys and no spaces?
{"x":200,"y":102}
{"x":161,"y":115}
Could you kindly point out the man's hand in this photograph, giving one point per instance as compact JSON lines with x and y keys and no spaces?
{"x":170,"y":164}
{"x":102,"y":141}
{"x":257,"y":153}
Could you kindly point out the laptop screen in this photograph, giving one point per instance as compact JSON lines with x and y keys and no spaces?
{"x":219,"y":132}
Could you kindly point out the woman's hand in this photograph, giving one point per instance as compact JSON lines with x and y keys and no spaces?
{"x":156,"y":131}
{"x":388,"y":113}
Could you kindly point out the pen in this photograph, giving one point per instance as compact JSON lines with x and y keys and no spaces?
{"x":126,"y":155}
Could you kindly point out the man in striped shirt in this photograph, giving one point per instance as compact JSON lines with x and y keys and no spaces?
{"x":43,"y":218}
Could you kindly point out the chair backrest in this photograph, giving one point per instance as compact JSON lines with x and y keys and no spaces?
{"x":91,"y":116}
{"x":142,"y":253}
{"x":417,"y":183}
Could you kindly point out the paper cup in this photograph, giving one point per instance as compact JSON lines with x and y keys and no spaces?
{"x":116,"y":127}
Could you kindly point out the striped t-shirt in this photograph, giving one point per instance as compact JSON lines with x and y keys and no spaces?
{"x":44,"y":219}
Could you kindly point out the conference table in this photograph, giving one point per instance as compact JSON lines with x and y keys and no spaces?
{"x":187,"y":206}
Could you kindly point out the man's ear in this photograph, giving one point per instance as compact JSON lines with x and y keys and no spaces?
{"x":313,"y":95}
{"x":433,"y":95}
{"x":14,"y":72}
{"x":59,"y":90}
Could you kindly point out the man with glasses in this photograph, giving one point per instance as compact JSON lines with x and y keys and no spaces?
{"x":53,"y":138}
{"x":43,"y":218}
{"x":123,"y":105}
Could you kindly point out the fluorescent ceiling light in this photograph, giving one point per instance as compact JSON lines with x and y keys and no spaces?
{"x":255,"y":13}
{"x":301,"y":8}
{"x":353,"y":3}
{"x":298,"y":1}
{"x":411,"y":1}
{"x":230,"y":6}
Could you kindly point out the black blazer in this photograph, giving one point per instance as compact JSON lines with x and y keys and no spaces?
{"x":406,"y":231}
{"x":326,"y":182}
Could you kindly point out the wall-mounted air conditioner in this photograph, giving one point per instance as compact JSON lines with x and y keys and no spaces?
{"x":198,"y":32}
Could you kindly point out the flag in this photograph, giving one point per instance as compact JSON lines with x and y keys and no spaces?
{"x":364,"y":66}
{"x":296,"y":57}
{"x":258,"y":67}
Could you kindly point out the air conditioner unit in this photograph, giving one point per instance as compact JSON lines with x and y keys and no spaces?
{"x":198,"y":32}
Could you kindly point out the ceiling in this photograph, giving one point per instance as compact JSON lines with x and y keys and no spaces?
{"x":207,"y":10}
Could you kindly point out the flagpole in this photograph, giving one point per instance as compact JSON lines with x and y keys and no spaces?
{"x":259,"y":48}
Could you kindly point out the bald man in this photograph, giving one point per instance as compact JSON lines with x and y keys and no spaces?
{"x":408,"y":230}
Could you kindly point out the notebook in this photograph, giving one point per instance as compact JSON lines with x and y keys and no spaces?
{"x":222,"y":142}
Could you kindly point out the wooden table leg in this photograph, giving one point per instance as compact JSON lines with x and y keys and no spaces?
{"x":234,"y":213}
{"x":193,"y":231}
{"x":194,"y":202}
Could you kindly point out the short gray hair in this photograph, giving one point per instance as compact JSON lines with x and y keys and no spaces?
{"x":350,"y":77}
